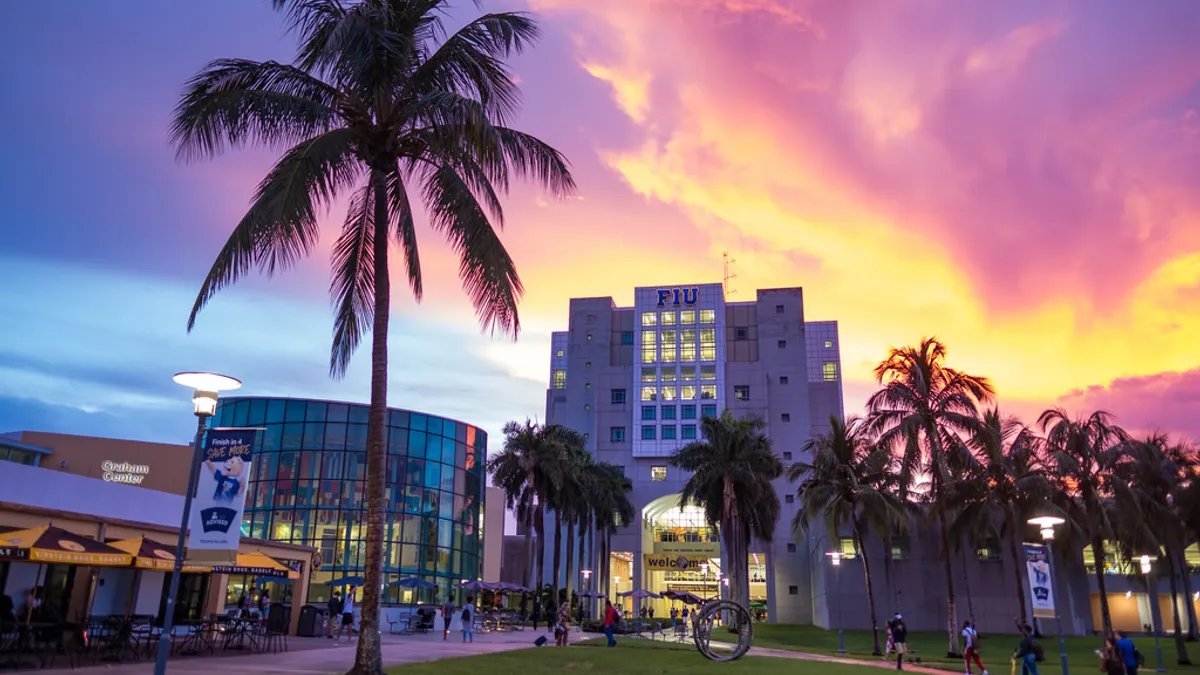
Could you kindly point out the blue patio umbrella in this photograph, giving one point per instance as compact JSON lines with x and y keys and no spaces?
{"x":412,"y":582}
{"x":345,"y":581}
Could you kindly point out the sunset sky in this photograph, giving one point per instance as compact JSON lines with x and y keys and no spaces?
{"x":1020,"y":179}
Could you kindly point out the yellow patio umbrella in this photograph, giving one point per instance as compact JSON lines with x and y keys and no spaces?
{"x":49,"y":544}
{"x":152,"y":555}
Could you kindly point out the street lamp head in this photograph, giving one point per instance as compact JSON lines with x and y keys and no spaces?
{"x":1145,"y":564}
{"x":205,"y":388}
{"x":835,"y":558}
{"x":587,"y":574}
{"x":1046,"y":525}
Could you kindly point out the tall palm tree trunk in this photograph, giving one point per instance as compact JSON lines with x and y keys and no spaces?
{"x":1181,"y":568}
{"x":529,"y":511}
{"x":570,"y":576}
{"x":1014,"y":551}
{"x":866,"y":561}
{"x":367,"y":659}
{"x":735,"y":545}
{"x":557,"y":554}
{"x":1098,"y":561}
{"x":539,"y":525}
{"x":951,"y":605}
{"x":967,"y":585}
{"x":888,"y":562}
{"x":1181,"y":652}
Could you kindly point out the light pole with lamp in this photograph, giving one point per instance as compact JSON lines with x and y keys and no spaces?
{"x":1046,"y":525}
{"x":587,"y":583}
{"x":1155,"y":616}
{"x":704,"y":584}
{"x":204,"y":400}
{"x":835,"y":559}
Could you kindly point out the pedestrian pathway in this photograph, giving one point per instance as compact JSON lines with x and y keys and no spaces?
{"x":323,"y":657}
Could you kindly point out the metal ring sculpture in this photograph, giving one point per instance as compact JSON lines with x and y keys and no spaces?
{"x":722,"y":615}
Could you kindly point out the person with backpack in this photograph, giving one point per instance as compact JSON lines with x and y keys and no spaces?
{"x":900,"y":640}
{"x":1028,"y":651}
{"x":468,"y":620}
{"x":335,"y":613}
{"x":610,"y":623}
{"x":971,"y":640}
{"x":1129,"y":653}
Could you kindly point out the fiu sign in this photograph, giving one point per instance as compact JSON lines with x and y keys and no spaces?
{"x":678,"y":296}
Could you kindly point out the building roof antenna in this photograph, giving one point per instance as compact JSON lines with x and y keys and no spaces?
{"x":729,"y":276}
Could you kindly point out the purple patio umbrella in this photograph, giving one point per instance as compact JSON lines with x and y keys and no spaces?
{"x":639,"y":594}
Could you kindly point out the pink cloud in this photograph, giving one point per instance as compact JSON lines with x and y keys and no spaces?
{"x":1164,"y":401}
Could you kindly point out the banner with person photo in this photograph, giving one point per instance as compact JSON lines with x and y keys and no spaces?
{"x":225,"y":465}
{"x":1041,"y":583}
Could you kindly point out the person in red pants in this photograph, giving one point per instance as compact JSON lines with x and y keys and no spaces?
{"x":971,"y":639}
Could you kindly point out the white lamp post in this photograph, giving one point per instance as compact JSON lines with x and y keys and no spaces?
{"x":704,"y":584}
{"x":835,"y":559}
{"x":587,"y":584}
{"x":1152,"y":586}
{"x":1046,"y":525}
{"x":205,"y":387}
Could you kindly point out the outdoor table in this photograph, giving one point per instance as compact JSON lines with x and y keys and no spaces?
{"x":238,"y":631}
{"x":198,"y":638}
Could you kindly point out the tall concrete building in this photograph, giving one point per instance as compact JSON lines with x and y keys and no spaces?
{"x":638,"y":380}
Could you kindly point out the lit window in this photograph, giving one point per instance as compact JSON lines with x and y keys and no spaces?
{"x":668,"y":337}
{"x":708,"y":336}
{"x":658,"y":473}
{"x":687,"y":335}
{"x":828,"y":344}
{"x":668,"y":318}
{"x":616,"y":434}
{"x":687,"y":373}
{"x":687,"y":392}
{"x":618,"y":397}
{"x":708,"y":316}
{"x":649,"y":338}
{"x":668,"y":393}
{"x":741,"y":392}
{"x":668,"y":433}
{"x":689,"y":432}
{"x":649,"y":374}
{"x":668,"y":375}
{"x":558,"y":379}
{"x":829,"y":371}
{"x":560,"y":353}
{"x":649,"y":354}
{"x":687,"y":353}
{"x":708,"y":373}
{"x":708,"y":353}
{"x":649,"y":318}
{"x":668,"y":353}
{"x":668,"y":412}
{"x":647,"y":433}
{"x":648,"y":412}
{"x":649,"y":393}
{"x":708,"y":391}
{"x":708,"y":411}
{"x":689,"y":412}
{"x":849,"y":550}
{"x":687,"y":316}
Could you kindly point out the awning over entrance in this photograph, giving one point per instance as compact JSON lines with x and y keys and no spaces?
{"x":49,"y":544}
{"x":152,"y":555}
{"x":257,"y":563}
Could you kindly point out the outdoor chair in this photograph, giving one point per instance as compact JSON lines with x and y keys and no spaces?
{"x":275,"y":630}
{"x":398,"y":624}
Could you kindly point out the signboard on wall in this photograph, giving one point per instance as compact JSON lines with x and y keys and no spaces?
{"x":225,"y":469}
{"x":692,"y":548}
{"x":124,"y":472}
{"x":658,"y":562}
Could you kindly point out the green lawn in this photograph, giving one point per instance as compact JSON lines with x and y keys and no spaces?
{"x":931,"y":648}
{"x":629,"y":657}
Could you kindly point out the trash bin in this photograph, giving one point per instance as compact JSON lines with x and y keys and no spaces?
{"x":314,"y":621}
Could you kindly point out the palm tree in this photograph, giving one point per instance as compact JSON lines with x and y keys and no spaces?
{"x":376,"y":103}
{"x":608,"y":498}
{"x":1082,"y":454}
{"x":924,"y":410}
{"x":1153,"y":471}
{"x":571,"y":500}
{"x":568,"y":445}
{"x":731,"y":472}
{"x":1007,"y":485}
{"x":848,"y":480}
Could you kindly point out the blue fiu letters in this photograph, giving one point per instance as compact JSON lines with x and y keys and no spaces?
{"x":678,"y":296}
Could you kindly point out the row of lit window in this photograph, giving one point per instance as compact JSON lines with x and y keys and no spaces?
{"x":708,"y":336}
{"x":684,"y":374}
{"x":685,"y":393}
{"x":650,"y":432}
{"x":684,"y":354}
{"x":684,"y":317}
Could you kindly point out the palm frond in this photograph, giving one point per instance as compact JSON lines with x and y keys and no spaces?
{"x":353,"y":284}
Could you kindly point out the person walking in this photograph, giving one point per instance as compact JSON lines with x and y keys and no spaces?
{"x":971,"y":640}
{"x":1027,"y":651}
{"x":1111,"y":662}
{"x":537,"y":612}
{"x":891,"y":643}
{"x":1129,"y":653}
{"x":610,"y":623}
{"x":562,"y":627}
{"x":335,"y":613}
{"x":468,"y":620}
{"x":900,"y":640}
{"x":447,"y":616}
{"x":347,"y":617}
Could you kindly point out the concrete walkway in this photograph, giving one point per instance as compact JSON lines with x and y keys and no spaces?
{"x":315,"y":656}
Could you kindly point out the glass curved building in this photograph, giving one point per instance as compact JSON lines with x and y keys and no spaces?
{"x":310,"y":481}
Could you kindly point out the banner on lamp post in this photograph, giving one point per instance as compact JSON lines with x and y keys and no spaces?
{"x":1041,"y":582}
{"x":215,"y":528}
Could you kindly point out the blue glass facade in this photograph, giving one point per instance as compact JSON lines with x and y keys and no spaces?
{"x":309,"y":487}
